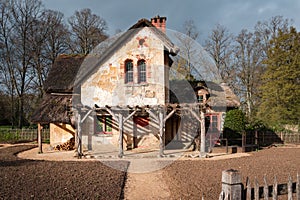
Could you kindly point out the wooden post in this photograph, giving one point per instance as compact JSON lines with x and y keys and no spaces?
{"x":266,"y":189}
{"x":232,"y":184}
{"x":243,"y":142}
{"x":298,"y":187}
{"x":274,"y":192}
{"x":210,"y":143}
{"x":161,"y":134}
{"x":202,"y":135}
{"x":90,"y":133}
{"x":256,"y":189}
{"x":79,"y":136}
{"x":248,"y":192}
{"x":226,"y":145}
{"x":121,"y":153}
{"x":256,"y":137}
{"x":40,"y":138}
{"x":290,"y":188}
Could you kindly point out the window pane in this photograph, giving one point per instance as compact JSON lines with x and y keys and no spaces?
{"x":142,"y":71}
{"x":200,"y":98}
{"x":129,"y":72}
{"x":108,"y":124}
{"x":99,"y":126}
{"x":215,"y":123}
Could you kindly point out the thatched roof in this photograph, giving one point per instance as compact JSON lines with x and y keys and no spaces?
{"x":63,"y":74}
{"x":55,"y":105}
{"x":53,"y":109}
{"x":221,"y":92}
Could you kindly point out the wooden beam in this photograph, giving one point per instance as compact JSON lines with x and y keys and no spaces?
{"x":201,"y":119}
{"x":202,"y":135}
{"x":169,"y":115}
{"x":153,"y":115}
{"x":86,"y":115}
{"x":161,"y":133}
{"x":79,"y":136}
{"x":128,"y":117}
{"x":121,"y":153}
{"x":40,"y":138}
{"x":112,"y":114}
{"x":195,"y":115}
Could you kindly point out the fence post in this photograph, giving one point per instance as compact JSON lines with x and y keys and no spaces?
{"x":232,"y":184}
{"x":244,"y":142}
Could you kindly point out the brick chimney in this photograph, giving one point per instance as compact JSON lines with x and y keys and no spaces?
{"x":159,"y":22}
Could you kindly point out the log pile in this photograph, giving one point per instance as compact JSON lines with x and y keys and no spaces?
{"x":67,"y":146}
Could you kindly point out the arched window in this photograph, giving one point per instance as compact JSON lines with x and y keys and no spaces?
{"x":128,"y":71}
{"x":142,"y":71}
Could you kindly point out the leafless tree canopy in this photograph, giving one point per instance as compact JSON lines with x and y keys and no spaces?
{"x":31,"y":37}
{"x":239,"y":58}
{"x":88,"y":30}
{"x":220,"y":46}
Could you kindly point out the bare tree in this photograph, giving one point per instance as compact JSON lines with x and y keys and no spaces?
{"x":220,"y":47}
{"x":25,"y":15}
{"x":268,"y":29}
{"x":88,"y":30}
{"x":248,"y":64}
{"x":183,"y":63}
{"x":50,"y":40}
{"x":26,"y":52}
{"x":190,"y":29}
{"x":6,"y":54}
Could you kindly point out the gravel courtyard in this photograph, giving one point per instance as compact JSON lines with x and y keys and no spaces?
{"x":183,"y":179}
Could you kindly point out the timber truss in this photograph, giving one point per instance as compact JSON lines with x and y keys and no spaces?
{"x":160,"y":114}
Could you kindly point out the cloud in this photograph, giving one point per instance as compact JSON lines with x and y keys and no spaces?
{"x":234,"y":14}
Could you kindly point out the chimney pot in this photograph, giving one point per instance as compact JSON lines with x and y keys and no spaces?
{"x":159,"y":22}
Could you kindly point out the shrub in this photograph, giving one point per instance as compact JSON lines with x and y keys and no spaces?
{"x":234,"y":123}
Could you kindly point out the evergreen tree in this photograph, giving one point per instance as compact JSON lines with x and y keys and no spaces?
{"x":280,"y":90}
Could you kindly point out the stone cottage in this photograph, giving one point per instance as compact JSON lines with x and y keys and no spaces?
{"x":120,"y":94}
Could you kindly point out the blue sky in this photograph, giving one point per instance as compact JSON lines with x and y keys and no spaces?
{"x":234,"y":14}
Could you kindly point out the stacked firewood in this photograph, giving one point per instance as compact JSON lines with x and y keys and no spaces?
{"x":67,"y":146}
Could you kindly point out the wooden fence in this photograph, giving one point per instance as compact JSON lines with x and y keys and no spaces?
{"x":270,"y":137}
{"x":15,"y":135}
{"x":233,"y":188}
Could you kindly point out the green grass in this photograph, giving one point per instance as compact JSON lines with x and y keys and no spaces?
{"x":8,"y":135}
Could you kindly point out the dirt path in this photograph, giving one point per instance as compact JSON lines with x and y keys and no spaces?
{"x":148,"y":185}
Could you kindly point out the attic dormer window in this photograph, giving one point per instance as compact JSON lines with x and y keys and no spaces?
{"x":200,"y":98}
{"x":202,"y":95}
{"x":128,"y":71}
{"x":142,"y":71}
